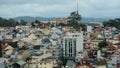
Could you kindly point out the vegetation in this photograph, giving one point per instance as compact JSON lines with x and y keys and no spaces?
{"x":94,"y":35}
{"x":11,"y":22}
{"x":64,"y":60}
{"x":35,"y":23}
{"x":13,"y":44}
{"x":74,"y":21}
{"x":112,"y":23}
{"x":102,"y":44}
{"x":106,"y":54}
{"x":75,"y":18}
{"x":101,"y":62}
{"x":22,"y":22}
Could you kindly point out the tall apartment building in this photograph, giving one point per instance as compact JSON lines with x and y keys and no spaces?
{"x":89,"y":29}
{"x":72,"y":44}
{"x":2,"y":62}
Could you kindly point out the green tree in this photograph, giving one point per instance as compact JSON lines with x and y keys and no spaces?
{"x":74,"y":21}
{"x":112,"y":23}
{"x":75,"y":16}
{"x":84,"y":27}
{"x":8,"y":23}
{"x":102,"y":44}
{"x":22,"y":22}
{"x":32,"y":24}
{"x":61,"y":24}
{"x":11,"y":22}
{"x":101,"y":62}
{"x":13,"y":44}
{"x":64,"y":60}
{"x":37,"y":21}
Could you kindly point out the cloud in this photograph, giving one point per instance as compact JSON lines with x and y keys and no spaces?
{"x":59,"y":8}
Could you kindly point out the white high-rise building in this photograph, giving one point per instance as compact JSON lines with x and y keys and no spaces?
{"x":72,"y":44}
{"x":89,"y":29}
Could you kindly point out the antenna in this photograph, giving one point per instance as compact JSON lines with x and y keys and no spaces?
{"x":77,"y":6}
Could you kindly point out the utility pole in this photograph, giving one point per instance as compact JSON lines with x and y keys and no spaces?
{"x":77,"y":6}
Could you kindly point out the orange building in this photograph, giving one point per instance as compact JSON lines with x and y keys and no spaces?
{"x":62,"y":20}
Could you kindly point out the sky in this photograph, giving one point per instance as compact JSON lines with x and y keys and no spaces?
{"x":59,"y":8}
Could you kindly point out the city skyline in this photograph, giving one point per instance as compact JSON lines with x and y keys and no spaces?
{"x":59,"y":8}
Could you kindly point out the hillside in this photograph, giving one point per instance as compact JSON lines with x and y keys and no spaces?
{"x":84,"y":19}
{"x":29,"y":18}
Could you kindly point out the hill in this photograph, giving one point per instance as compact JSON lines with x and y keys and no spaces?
{"x":29,"y":18}
{"x":84,"y":19}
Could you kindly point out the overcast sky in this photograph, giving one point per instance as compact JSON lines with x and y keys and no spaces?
{"x":59,"y":8}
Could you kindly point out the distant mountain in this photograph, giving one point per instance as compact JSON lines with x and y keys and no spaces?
{"x":29,"y":18}
{"x":84,"y":19}
{"x":87,"y":20}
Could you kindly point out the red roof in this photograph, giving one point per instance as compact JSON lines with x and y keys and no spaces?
{"x":118,"y":37}
{"x":89,"y":54}
{"x":3,"y":47}
{"x":8,"y":40}
{"x":98,"y":28}
{"x":110,"y":48}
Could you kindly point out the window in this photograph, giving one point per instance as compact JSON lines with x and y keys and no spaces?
{"x":65,"y":47}
{"x":45,"y":63}
{"x":40,"y":63}
{"x":74,"y":46}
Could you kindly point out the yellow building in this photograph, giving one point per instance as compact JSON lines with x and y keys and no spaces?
{"x":46,"y":31}
{"x":45,"y":64}
{"x":62,"y":20}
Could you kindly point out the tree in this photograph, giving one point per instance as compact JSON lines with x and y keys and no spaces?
{"x":37,"y":22}
{"x":8,"y":23}
{"x":13,"y":44}
{"x":33,"y":24}
{"x":102,"y":44}
{"x":22,"y":22}
{"x":75,"y":18}
{"x":101,"y":62}
{"x":112,"y":23}
{"x":61,"y":24}
{"x":84,"y":27}
{"x":64,"y":60}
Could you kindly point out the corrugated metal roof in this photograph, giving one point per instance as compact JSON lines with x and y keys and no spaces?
{"x":21,"y":62}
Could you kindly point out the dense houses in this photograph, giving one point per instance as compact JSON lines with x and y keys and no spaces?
{"x":51,"y":46}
